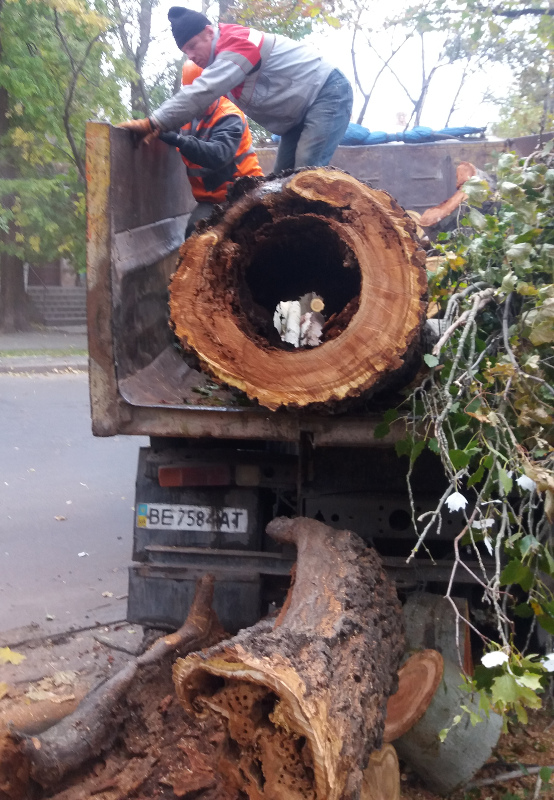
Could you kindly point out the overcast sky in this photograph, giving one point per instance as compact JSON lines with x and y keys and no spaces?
{"x":389,"y":102}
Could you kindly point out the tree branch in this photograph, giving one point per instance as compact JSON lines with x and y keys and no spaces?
{"x":76,"y":70}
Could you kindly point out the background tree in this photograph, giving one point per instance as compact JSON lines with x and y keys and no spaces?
{"x":518,"y":35}
{"x":57,"y":70}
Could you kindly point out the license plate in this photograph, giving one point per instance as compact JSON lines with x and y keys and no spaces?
{"x":163,"y":516}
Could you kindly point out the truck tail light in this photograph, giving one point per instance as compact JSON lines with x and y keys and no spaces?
{"x":201,"y":475}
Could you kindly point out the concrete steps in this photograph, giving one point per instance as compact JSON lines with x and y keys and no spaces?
{"x":59,"y":305}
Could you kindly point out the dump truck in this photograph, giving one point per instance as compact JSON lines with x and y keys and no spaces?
{"x":218,"y":469}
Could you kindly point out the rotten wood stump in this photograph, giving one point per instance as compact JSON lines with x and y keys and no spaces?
{"x":317,"y":231}
{"x":304,"y":697}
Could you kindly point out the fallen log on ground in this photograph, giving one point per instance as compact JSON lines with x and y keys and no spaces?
{"x":317,"y":231}
{"x":449,"y":765}
{"x":92,"y":728}
{"x":303,"y":698}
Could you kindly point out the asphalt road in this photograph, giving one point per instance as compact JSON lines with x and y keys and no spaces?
{"x":66,"y":501}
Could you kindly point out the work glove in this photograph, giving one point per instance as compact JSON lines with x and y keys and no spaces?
{"x":171,"y":137}
{"x":142,"y":129}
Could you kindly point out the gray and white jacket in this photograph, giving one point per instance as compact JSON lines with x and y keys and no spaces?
{"x":271,"y":78}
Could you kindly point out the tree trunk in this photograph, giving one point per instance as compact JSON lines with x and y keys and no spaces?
{"x":430,"y":622}
{"x":304,"y":697}
{"x":318,"y":230}
{"x":14,"y":308}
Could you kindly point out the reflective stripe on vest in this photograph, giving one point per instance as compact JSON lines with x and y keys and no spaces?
{"x":245,"y":161}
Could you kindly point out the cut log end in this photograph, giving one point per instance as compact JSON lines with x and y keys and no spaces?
{"x":382,"y":776}
{"x":318,"y":231}
{"x":418,"y":680}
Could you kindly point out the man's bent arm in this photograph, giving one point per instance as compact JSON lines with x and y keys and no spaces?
{"x":191,"y":102}
{"x":225,"y":138}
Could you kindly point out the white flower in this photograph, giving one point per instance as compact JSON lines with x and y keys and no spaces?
{"x":526,"y":483}
{"x":481,"y":524}
{"x":494,"y":659}
{"x":488,"y":544}
{"x":548,"y":662}
{"x":456,"y":501}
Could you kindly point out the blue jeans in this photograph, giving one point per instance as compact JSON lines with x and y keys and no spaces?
{"x":313,"y":141}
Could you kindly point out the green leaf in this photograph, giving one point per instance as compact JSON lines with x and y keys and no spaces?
{"x":526,"y":544}
{"x":549,"y":607}
{"x":390,"y":415}
{"x":417,"y":450}
{"x":516,"y":572}
{"x":505,"y":481}
{"x":528,"y":236}
{"x":477,"y":219}
{"x":531,"y":680}
{"x":549,"y":566}
{"x":381,"y":430}
{"x":488,"y":461}
{"x":433,"y":445}
{"x":476,"y":477}
{"x":546,"y":772}
{"x":430,"y":360}
{"x":519,"y":252}
{"x":505,"y":689}
{"x":523,"y":610}
{"x":473,"y":406}
{"x":403,"y":447}
{"x":546,"y":623}
{"x":459,"y":459}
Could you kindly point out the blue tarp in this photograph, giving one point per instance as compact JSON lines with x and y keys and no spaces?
{"x":358,"y":135}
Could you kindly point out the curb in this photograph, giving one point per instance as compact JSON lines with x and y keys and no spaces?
{"x":42,"y":364}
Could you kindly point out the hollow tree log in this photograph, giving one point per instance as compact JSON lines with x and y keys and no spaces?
{"x":304,"y":697}
{"x":318,"y":230}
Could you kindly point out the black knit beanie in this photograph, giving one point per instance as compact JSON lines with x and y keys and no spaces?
{"x":185,"y":24}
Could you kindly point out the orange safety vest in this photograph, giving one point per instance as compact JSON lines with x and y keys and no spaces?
{"x":245,"y":161}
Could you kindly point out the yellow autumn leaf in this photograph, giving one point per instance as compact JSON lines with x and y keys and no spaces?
{"x":19,"y":237}
{"x":4,"y":689}
{"x":536,"y":608}
{"x":34,"y":241}
{"x":8,"y":656}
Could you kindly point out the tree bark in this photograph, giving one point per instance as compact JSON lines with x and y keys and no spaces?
{"x":304,"y":697}
{"x":318,"y":230}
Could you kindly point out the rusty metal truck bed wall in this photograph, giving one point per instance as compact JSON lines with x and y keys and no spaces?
{"x":138,"y":202}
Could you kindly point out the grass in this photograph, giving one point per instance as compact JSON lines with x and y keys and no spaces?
{"x":60,"y":353}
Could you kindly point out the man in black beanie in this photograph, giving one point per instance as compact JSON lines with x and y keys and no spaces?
{"x":282,"y":84}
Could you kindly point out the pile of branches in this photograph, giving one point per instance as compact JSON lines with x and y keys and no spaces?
{"x":486,"y":408}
